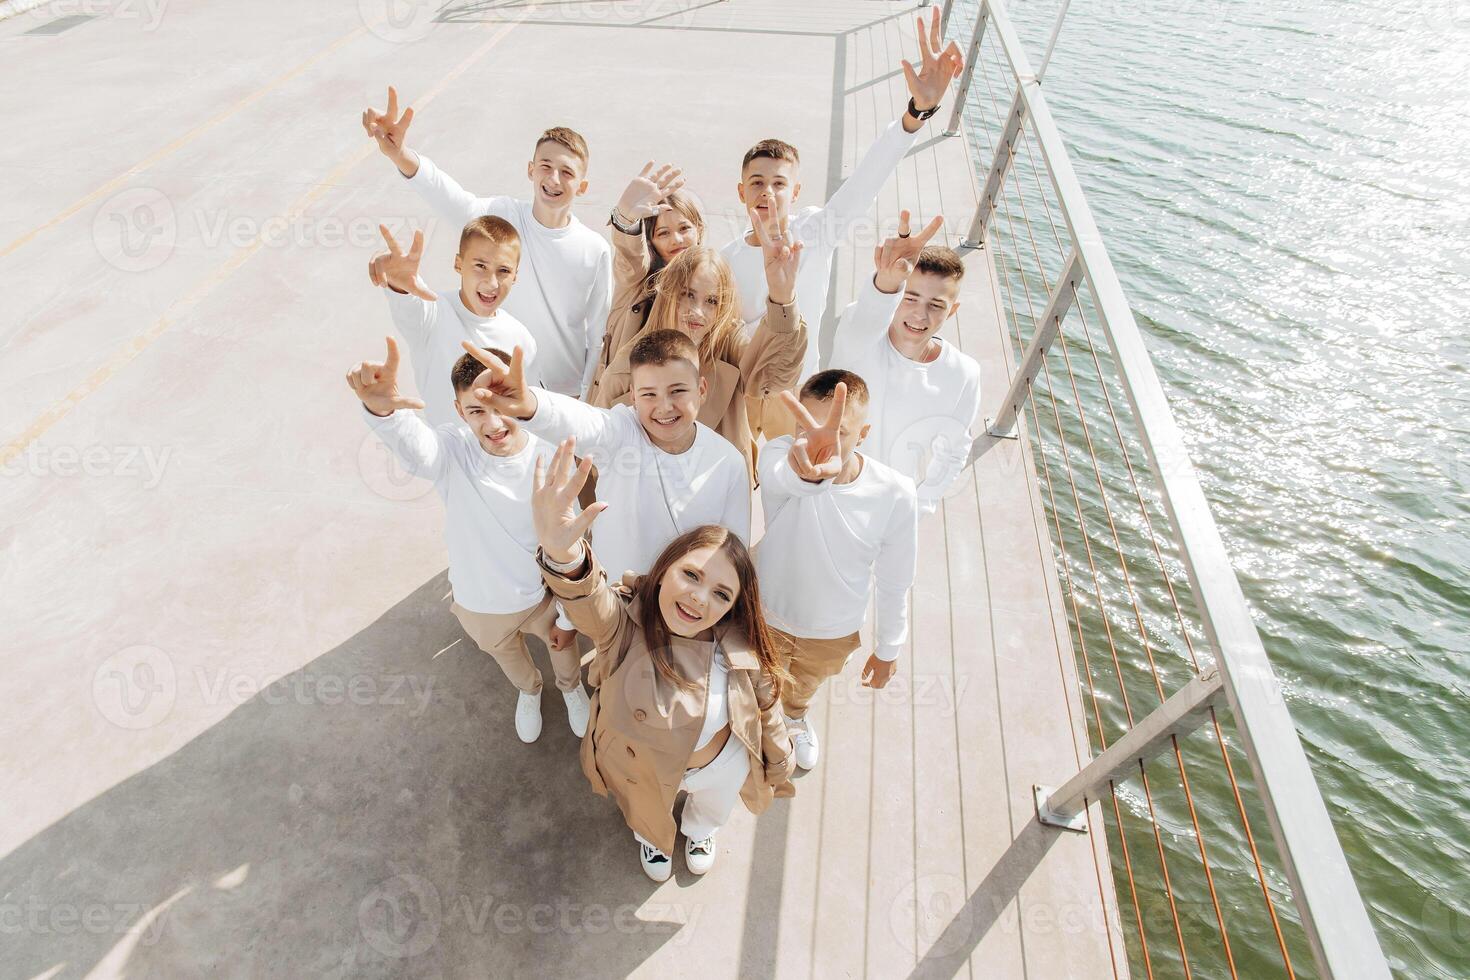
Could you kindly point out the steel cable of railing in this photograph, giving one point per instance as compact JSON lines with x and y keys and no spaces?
{"x":1148,"y":528}
{"x":1123,"y":566}
{"x":1099,"y":594}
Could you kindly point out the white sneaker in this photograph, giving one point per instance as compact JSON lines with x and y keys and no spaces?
{"x":656,"y":863}
{"x":579,"y":707}
{"x":528,"y":716}
{"x":699,"y":855}
{"x":805,"y":741}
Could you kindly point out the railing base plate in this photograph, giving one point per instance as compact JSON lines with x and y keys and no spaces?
{"x":1077,"y":823}
{"x":1013,"y":434}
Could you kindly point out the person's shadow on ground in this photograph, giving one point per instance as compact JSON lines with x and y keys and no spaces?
{"x":370,"y":814}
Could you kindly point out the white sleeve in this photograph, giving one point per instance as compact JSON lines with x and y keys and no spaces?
{"x":864,"y":323}
{"x":598,"y":431}
{"x":850,"y":202}
{"x":897,"y":564}
{"x":418,"y":447}
{"x":599,"y":305}
{"x":414,"y":319}
{"x":562,"y":620}
{"x":737,"y":503}
{"x":778,"y":481}
{"x":951,"y":451}
{"x":450,"y":200}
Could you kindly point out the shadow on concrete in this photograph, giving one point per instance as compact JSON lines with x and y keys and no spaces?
{"x":370,"y":814}
{"x":994,"y":898}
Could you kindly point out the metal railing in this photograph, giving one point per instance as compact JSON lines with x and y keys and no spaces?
{"x":1080,"y":277}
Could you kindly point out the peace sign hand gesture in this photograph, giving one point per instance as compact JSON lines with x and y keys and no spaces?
{"x":645,"y":194}
{"x":554,"y":492}
{"x":817,"y":451}
{"x":782,"y":255}
{"x":377,"y":385}
{"x":936,"y":68}
{"x":895,"y":258}
{"x":398,"y":271}
{"x":391,"y":131}
{"x":502,"y":387}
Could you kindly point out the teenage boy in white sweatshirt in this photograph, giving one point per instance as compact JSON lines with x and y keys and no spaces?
{"x":565,"y":286}
{"x":659,"y":471}
{"x":839,"y":525}
{"x":770,"y":182}
{"x":923,"y":392}
{"x":484,"y":471}
{"x":436,"y":327}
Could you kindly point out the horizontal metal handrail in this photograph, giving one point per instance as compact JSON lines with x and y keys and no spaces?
{"x":1332,"y":913}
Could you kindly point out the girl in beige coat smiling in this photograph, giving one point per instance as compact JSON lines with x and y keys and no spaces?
{"x":687,"y":679}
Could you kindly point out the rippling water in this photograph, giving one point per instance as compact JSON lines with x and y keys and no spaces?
{"x":1285,"y":191}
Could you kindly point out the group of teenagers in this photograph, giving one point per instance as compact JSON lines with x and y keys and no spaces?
{"x":597,"y":414}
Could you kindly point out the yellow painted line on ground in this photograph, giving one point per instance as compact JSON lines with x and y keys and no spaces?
{"x":223,"y":271}
{"x":182,"y":141}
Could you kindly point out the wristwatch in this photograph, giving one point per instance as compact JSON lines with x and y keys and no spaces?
{"x":922,"y":114}
{"x":633,"y":229}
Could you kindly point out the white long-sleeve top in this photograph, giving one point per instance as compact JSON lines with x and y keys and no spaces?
{"x":487,"y":509}
{"x":827,"y":544}
{"x":652,"y":496}
{"x":563,"y":288}
{"x":434,"y":332}
{"x":921,"y":415}
{"x":820,"y":230}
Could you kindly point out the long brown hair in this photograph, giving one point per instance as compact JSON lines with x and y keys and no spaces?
{"x":721,"y":339}
{"x":745,"y":615}
{"x":684,"y":203}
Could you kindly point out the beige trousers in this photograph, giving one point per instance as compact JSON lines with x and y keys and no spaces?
{"x":810,"y":662}
{"x":503,"y":636}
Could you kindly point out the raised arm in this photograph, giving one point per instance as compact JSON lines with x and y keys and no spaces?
{"x":418,"y":447}
{"x":503,"y":388}
{"x":410,"y":301}
{"x":771,"y":360}
{"x":866,"y":319}
{"x":644,"y":197}
{"x":390,"y":130}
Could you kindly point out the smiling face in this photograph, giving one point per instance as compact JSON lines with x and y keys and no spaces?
{"x":928,"y":300}
{"x":667,"y":398}
{"x":486,"y":270}
{"x":558,"y":175}
{"x":499,"y":435}
{"x":697,"y":590}
{"x":767,"y":181}
{"x":673,"y":232}
{"x":698,"y":304}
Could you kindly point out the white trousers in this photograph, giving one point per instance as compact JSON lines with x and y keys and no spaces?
{"x":713,"y":792}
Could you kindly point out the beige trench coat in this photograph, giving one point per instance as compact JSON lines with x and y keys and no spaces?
{"x":642,"y":729}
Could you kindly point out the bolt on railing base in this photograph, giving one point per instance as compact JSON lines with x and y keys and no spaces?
{"x":990,"y":430}
{"x":1077,"y":822}
{"x":967,"y":244}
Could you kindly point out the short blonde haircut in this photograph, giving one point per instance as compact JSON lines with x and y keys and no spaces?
{"x":497,"y":230}
{"x":569,"y":138}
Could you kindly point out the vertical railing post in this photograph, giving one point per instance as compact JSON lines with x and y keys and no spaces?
{"x":972,"y":58}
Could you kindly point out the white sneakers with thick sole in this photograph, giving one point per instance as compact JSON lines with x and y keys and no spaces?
{"x":579,"y":709}
{"x":528,"y":716}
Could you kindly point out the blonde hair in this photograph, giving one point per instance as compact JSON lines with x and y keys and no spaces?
{"x":721,"y":339}
{"x":571,"y":140}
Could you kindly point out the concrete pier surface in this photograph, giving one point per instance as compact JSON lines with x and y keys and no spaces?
{"x":243,"y":735}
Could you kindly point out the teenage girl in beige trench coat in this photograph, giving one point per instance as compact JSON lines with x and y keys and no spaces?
{"x":667,"y":644}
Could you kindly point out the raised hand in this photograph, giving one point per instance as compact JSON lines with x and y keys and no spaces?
{"x":554,"y":492}
{"x":398,"y":271}
{"x":377,"y":384}
{"x":936,"y":68}
{"x":645,"y":194}
{"x":895,"y":258}
{"x":502,"y":387}
{"x":817,"y":451}
{"x":390,"y":129}
{"x":782,"y":255}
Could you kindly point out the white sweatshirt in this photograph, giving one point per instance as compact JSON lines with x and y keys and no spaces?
{"x":563,"y":289}
{"x":827,"y":544}
{"x":821,"y":230}
{"x":921,"y":414}
{"x":434,"y":332}
{"x":487,"y":509}
{"x":652,"y":496}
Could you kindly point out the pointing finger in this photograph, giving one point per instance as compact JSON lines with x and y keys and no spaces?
{"x":392,"y":104}
{"x":390,"y":366}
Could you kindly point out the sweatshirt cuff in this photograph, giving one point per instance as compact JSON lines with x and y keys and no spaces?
{"x":566,"y":588}
{"x":887,"y":652}
{"x":424,"y":164}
